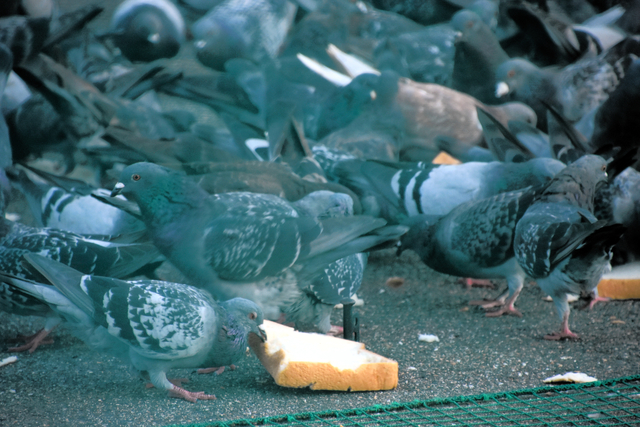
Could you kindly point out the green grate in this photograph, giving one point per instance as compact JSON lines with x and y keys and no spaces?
{"x":613,"y":402}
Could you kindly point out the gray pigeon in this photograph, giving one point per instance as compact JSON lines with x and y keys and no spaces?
{"x":395,"y":191}
{"x":560,"y":243}
{"x":256,"y":246}
{"x":89,"y":255}
{"x":154,"y":325}
{"x":55,"y":207}
{"x":241,"y":29}
{"x":475,"y":240}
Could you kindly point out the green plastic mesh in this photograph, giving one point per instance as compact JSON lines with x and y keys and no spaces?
{"x":604,"y":403}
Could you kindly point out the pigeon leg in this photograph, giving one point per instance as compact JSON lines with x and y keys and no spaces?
{"x":515,"y":287}
{"x":478,"y":283}
{"x":488,"y":303}
{"x":33,"y":341}
{"x":594,"y":298}
{"x":562,"y":306}
{"x":159,"y":379}
{"x":564,"y":333}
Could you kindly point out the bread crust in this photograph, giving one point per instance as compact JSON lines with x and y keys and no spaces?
{"x":374,"y":373}
{"x":622,"y":282}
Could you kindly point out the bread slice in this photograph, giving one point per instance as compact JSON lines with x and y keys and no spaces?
{"x":320,"y":362}
{"x":623,"y":282}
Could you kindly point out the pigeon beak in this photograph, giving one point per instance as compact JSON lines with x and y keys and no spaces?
{"x":502,"y":89}
{"x":117,"y":189}
{"x":261,"y":333}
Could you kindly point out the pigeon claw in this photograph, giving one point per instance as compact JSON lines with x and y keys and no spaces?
{"x":191,"y":396}
{"x":504,"y":310}
{"x":557,"y":336}
{"x":33,"y":341}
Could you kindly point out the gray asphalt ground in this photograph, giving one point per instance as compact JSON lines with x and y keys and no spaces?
{"x":67,"y":384}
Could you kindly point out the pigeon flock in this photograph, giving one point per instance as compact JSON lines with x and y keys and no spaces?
{"x":165,"y":238}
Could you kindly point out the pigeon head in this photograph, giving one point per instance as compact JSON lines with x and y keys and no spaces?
{"x":153,"y":187}
{"x":146,"y":31}
{"x":419,"y":237}
{"x":245,"y":315}
{"x":514,"y":75}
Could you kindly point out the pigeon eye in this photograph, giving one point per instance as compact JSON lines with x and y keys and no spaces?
{"x":135,"y":177}
{"x":511,"y":73}
{"x":604,"y":168}
{"x":253,"y":315}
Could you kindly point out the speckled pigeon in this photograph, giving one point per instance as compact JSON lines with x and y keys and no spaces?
{"x":241,"y":244}
{"x":560,"y":243}
{"x":154,"y":325}
{"x":475,"y":240}
{"x":338,"y":281}
{"x":86,"y":254}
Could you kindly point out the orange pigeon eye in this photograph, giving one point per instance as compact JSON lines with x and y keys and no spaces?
{"x":135,"y":177}
{"x":511,"y":73}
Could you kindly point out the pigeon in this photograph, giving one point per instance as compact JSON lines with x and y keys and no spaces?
{"x":90,"y":254}
{"x":475,"y":239}
{"x":55,"y":207}
{"x":241,"y":29}
{"x":560,"y":243}
{"x":615,"y":120}
{"x":394,"y":192}
{"x":146,"y":30}
{"x":573,"y":90}
{"x":241,"y":244}
{"x":619,"y":202}
{"x":6,"y":62}
{"x":477,"y":56}
{"x":24,"y":36}
{"x":338,"y":282}
{"x":432,"y":111}
{"x":154,"y":325}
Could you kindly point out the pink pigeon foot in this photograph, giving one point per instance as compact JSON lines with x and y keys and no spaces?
{"x":596,"y":300}
{"x":565,"y":332}
{"x":215,"y":370}
{"x":33,"y":341}
{"x":191,"y":396}
{"x":478,"y":283}
{"x":556,"y":336}
{"x":336,"y":331}
{"x":505,"y":309}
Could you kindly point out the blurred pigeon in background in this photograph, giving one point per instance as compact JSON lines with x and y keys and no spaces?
{"x":145,"y":30}
{"x":254,"y":30}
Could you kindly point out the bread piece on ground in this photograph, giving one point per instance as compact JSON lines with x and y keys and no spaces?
{"x":321,"y":362}
{"x":623,"y":282}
